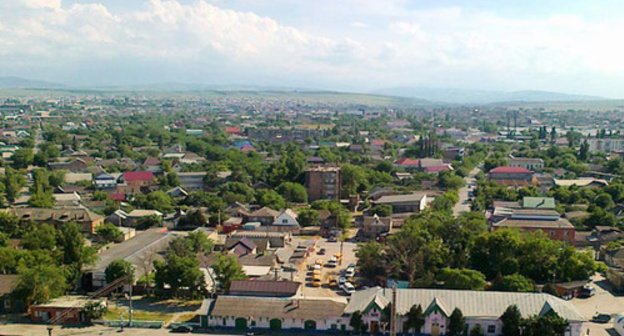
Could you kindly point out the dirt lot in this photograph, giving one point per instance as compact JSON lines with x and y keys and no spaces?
{"x":603,"y":302}
{"x":331,"y":248}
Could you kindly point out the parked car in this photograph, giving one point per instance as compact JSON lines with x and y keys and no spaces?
{"x":332,"y":239}
{"x":182,"y":329}
{"x":333,"y":283}
{"x":348,"y":288}
{"x":588,"y":291}
{"x":601,"y":318}
{"x":349,"y":272}
{"x":321,"y":251}
{"x":351,"y":265}
{"x":341,"y":281}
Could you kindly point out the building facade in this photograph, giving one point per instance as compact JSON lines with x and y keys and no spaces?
{"x":323,"y":183}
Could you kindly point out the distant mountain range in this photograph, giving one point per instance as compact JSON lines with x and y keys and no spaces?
{"x":22,"y":83}
{"x":417,"y":94}
{"x":468,"y":96}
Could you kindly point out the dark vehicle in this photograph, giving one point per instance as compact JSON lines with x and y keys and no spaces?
{"x":332,"y":239}
{"x":601,"y":318}
{"x":182,"y":329}
{"x":321,"y":251}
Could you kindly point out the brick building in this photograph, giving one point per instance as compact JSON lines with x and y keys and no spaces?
{"x":323,"y":183}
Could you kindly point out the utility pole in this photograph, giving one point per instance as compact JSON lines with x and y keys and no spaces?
{"x":393,"y":312}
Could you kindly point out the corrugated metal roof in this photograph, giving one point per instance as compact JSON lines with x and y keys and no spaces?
{"x":267,"y":287}
{"x":308,"y":309}
{"x":474,"y":304}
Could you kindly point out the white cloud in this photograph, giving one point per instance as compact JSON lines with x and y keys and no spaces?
{"x":390,"y":45}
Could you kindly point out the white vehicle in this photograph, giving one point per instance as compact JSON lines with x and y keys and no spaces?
{"x":332,"y":262}
{"x":341,"y":281}
{"x":350,"y":272}
{"x":348,"y":288}
{"x":317,"y":267}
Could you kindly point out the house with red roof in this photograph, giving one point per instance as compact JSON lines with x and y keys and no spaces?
{"x":133,"y":182}
{"x":517,"y":177}
{"x":152,"y":164}
{"x":407,"y":163}
{"x":233,"y":130}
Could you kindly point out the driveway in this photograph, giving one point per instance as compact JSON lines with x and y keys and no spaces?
{"x":603,"y":302}
{"x":464,"y":204}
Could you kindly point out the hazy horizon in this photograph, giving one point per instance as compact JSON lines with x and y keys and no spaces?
{"x":353,"y":46}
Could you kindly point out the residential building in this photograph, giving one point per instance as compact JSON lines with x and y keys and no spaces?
{"x":276,"y":314}
{"x":517,"y":177}
{"x":287,"y":218}
{"x":85,"y":218}
{"x":527,"y":163}
{"x":8,"y":303}
{"x":323,"y":182}
{"x":192,"y":180}
{"x":264,"y":215}
{"x":414,"y":202}
{"x":64,"y":310}
{"x":374,"y":225}
{"x":538,"y":203}
{"x":548,"y":221}
{"x":136,"y":181}
{"x":605,"y":145}
{"x":482,"y":308}
{"x":105,"y":181}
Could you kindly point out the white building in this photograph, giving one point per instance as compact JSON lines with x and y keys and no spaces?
{"x":478,"y":307}
{"x":526,"y":162}
{"x":287,"y":217}
{"x":274,"y":313}
{"x":605,"y":145}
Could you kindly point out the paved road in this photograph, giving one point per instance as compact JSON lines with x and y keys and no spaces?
{"x":41,"y":330}
{"x":463,"y":204}
{"x":603,"y":302}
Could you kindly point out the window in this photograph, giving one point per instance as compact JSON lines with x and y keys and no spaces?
{"x":552,"y":233}
{"x":253,"y":323}
{"x":224,"y":322}
{"x":491,"y":329}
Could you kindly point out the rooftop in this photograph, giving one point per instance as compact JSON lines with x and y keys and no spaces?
{"x":308,"y":309}
{"x":510,"y":170}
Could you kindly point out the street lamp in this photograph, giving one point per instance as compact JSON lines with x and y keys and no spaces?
{"x":50,"y":330}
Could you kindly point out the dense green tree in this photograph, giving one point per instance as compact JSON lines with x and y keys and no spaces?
{"x":109,"y":233}
{"x":462,"y":279}
{"x":199,"y":241}
{"x":75,"y":252}
{"x":353,"y":179}
{"x":193,"y":218}
{"x":357,"y":323}
{"x":415,"y":319}
{"x":457,"y":323}
{"x":22,"y":158}
{"x":156,"y":200}
{"x":270,"y":198}
{"x":41,"y":237}
{"x":370,"y":258}
{"x":10,"y":225}
{"x":450,"y":180}
{"x":40,"y":284}
{"x":41,"y":191}
{"x":293,"y":192}
{"x":414,"y":254}
{"x":381,"y":210}
{"x":549,"y":324}
{"x":512,"y":320}
{"x":513,"y":283}
{"x":13,"y":182}
{"x":182,"y":274}
{"x":118,"y":269}
{"x":227,"y":269}
{"x":308,"y":217}
{"x":477,"y":330}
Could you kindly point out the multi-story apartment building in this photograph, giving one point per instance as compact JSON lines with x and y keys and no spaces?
{"x":323,"y":183}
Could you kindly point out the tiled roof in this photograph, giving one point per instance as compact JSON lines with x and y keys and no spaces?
{"x":308,"y":309}
{"x":138,"y":176}
{"x":510,"y":170}
{"x":408,"y":162}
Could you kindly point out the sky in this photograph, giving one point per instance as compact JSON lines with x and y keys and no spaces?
{"x":347,"y":45}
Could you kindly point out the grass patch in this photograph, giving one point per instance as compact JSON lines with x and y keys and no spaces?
{"x":138,"y":315}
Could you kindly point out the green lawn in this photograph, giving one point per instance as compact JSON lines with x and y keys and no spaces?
{"x":139,"y":315}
